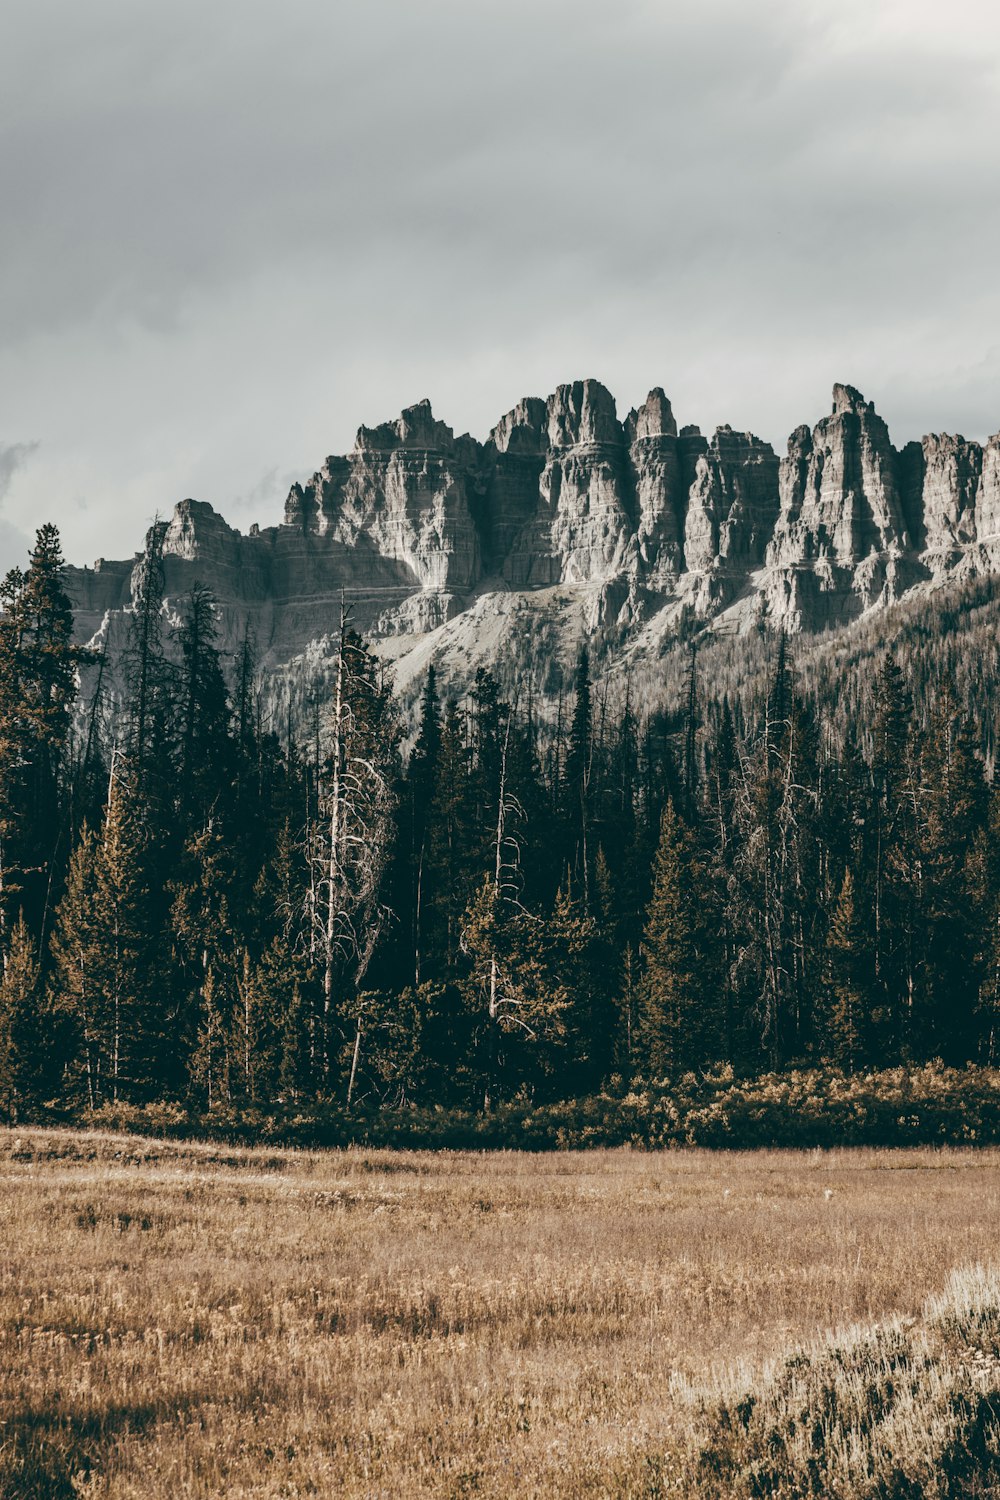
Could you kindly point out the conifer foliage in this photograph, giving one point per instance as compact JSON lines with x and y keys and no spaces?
{"x":201,"y":906}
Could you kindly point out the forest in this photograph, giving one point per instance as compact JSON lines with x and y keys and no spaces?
{"x":199,"y":905}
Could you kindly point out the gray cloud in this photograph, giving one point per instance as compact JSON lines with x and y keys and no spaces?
{"x":14,"y":543}
{"x":232,"y":233}
{"x":13,"y":456}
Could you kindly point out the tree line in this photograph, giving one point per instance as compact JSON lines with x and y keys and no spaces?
{"x":198,"y":905}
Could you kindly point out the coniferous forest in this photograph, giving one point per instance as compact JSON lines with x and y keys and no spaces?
{"x":200,"y":906}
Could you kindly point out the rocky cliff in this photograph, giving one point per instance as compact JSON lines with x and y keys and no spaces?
{"x":566,"y":522}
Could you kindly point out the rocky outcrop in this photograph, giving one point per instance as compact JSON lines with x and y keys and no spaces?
{"x":839,"y":489}
{"x":950,"y":472}
{"x":842,"y":543}
{"x":988,"y":501}
{"x":515,"y":457}
{"x":732,"y":504}
{"x":658,"y":488}
{"x":404,"y":490}
{"x":624,"y":527}
{"x":583,"y":527}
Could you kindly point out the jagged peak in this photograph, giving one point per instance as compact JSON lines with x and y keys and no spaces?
{"x":948,"y":440}
{"x":523,"y":428}
{"x":415,"y":427}
{"x":191,"y":523}
{"x":846,"y":398}
{"x":195,"y":512}
{"x":728,"y":438}
{"x":653,"y":419}
{"x":581,"y":414}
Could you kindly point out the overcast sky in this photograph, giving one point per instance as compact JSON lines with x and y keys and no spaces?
{"x":231,"y":231}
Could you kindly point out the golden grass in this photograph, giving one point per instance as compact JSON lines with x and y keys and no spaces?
{"x":185,"y":1320}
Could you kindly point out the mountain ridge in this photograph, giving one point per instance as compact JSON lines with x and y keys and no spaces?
{"x":569,"y":524}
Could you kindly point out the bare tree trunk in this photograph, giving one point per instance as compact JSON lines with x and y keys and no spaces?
{"x":354,"y":1062}
{"x":493,"y":1004}
{"x":417,"y":935}
{"x":3,"y":911}
{"x":88,"y":1040}
{"x":333,"y":862}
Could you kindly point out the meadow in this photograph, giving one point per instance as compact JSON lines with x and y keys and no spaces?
{"x":188,"y":1320}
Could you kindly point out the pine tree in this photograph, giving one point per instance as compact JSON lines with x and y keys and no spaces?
{"x":893,"y":856}
{"x":561,"y":964}
{"x":207,"y":755}
{"x":102,"y":947}
{"x":25,"y":1028}
{"x":691,"y":737}
{"x":38,"y":662}
{"x":611,"y":964}
{"x":487,"y":736}
{"x":985,"y":872}
{"x":451,"y":851}
{"x":680,"y":995}
{"x":272,"y":1041}
{"x":498,"y":994}
{"x":78,"y":956}
{"x":772,"y":856}
{"x":12,"y":752}
{"x":421,"y":784}
{"x":212,"y":1053}
{"x":148,"y":715}
{"x":207,"y":961}
{"x":576,"y":793}
{"x":849,"y":968}
{"x":953,"y":810}
{"x":123,"y":906}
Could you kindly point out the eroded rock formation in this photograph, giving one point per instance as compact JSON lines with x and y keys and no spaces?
{"x":611,"y":524}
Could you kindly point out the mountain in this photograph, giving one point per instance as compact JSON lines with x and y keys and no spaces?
{"x":569,"y":524}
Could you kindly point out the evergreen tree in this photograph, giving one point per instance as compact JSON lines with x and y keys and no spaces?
{"x":562,"y":963}
{"x":207,"y":756}
{"x":78,"y":955}
{"x":577,"y":779}
{"x":691,"y":738}
{"x":25,"y":1028}
{"x":451,"y":850}
{"x":893,"y":857}
{"x":680,"y":994}
{"x":420,"y":788}
{"x":103,"y":947}
{"x":12,"y":752}
{"x":38,"y":663}
{"x":149,"y":705}
{"x":207,"y":964}
{"x":484,"y":782}
{"x":954,"y":809}
{"x":499,"y":993}
{"x":849,"y":968}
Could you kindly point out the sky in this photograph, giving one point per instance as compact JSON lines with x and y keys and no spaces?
{"x":231,"y":232}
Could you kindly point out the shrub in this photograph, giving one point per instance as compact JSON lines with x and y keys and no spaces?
{"x":817,"y":1107}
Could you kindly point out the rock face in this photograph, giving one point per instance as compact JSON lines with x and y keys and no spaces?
{"x":659,"y":490}
{"x":618,"y":524}
{"x":582,"y":523}
{"x":732,"y":504}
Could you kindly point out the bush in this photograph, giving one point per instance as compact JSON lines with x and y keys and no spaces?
{"x":896,"y":1412}
{"x":815,"y":1107}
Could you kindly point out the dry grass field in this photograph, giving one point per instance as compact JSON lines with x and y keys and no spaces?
{"x":191,"y":1320}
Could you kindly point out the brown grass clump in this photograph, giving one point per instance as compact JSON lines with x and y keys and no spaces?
{"x":903,"y":1411}
{"x":184,"y":1321}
